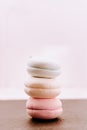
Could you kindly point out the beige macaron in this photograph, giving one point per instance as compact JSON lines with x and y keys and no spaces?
{"x":42,"y":83}
{"x":42,"y":93}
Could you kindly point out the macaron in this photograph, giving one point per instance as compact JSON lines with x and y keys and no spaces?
{"x":43,"y":73}
{"x":43,"y":63}
{"x":39,"y":108}
{"x":42,"y":103}
{"x":42,"y":83}
{"x":42,"y":93}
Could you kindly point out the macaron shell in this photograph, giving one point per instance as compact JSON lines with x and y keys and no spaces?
{"x":45,"y":114}
{"x":43,"y":73}
{"x":42,"y":83}
{"x":45,"y":63}
{"x":41,"y":104}
{"x":42,"y":93}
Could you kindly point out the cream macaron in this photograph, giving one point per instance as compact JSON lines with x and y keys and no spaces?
{"x":42,"y":88}
{"x":42,"y":83}
{"x":42,"y":93}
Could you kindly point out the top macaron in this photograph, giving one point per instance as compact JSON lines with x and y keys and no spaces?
{"x":43,"y":67}
{"x":43,"y":63}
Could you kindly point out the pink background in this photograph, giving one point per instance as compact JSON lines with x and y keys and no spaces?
{"x":35,"y":27}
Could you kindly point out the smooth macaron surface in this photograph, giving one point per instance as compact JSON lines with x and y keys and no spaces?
{"x":44,"y":108}
{"x":41,"y":103}
{"x":42,"y":83}
{"x":43,"y":63}
{"x":42,"y":93}
{"x":45,"y":114}
{"x":43,"y":73}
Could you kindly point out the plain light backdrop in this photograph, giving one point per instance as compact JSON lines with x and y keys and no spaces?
{"x":50,"y":27}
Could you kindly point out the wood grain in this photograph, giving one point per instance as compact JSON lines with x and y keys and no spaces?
{"x":13,"y":117}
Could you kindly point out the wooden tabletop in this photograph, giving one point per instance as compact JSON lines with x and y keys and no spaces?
{"x":13,"y":117}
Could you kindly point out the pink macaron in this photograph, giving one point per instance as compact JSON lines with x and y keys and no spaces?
{"x":44,"y":108}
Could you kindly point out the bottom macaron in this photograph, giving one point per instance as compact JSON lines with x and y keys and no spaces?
{"x":45,"y":114}
{"x":44,"y":108}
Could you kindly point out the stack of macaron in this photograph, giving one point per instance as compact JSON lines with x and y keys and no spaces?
{"x":43,"y":88}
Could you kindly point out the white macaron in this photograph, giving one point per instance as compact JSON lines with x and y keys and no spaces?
{"x":43,"y":73}
{"x":43,"y":63}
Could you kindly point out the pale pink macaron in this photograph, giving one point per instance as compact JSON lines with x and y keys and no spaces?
{"x":44,"y":108}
